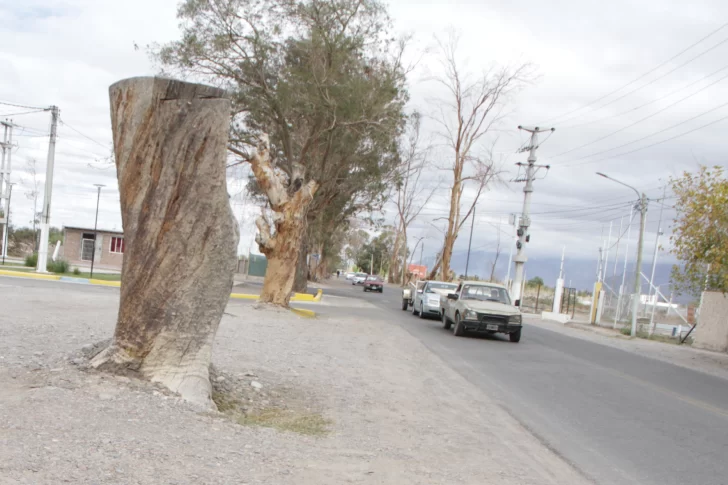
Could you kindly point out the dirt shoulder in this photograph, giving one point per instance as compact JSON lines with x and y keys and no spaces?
{"x":712,"y":363}
{"x":394,"y":413}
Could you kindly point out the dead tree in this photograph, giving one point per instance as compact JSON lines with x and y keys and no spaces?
{"x":180,"y":236}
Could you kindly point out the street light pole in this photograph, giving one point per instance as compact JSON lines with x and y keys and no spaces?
{"x":96,"y":221}
{"x":642,"y":207}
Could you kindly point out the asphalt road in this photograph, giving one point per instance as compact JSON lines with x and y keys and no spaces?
{"x":618,"y":417}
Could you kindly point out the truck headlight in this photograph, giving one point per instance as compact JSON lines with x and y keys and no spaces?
{"x":514,"y":319}
{"x":470,"y":315}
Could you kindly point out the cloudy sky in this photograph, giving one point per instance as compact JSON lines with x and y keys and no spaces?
{"x":628,"y":87}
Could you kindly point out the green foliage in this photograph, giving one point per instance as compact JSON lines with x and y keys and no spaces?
{"x":76,"y":271}
{"x":380,"y":248}
{"x":59,"y":266}
{"x":31,"y":260}
{"x":323,"y":78}
{"x":700,"y":231}
{"x":534,"y":282}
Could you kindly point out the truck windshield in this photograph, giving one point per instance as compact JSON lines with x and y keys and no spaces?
{"x":441,"y":286}
{"x":485,"y":293}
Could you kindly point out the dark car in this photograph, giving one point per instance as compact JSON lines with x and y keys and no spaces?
{"x":374,"y":283}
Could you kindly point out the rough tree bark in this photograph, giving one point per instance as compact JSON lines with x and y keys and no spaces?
{"x":180,"y":235}
{"x":281,"y":247}
{"x":300,"y":279}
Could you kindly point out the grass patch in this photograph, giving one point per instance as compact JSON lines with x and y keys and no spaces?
{"x":31,"y":260}
{"x":76,"y":273}
{"x":311,"y":424}
{"x":306,"y":423}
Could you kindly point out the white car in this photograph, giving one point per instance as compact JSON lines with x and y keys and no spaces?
{"x":426,"y":302}
{"x":350,"y":276}
{"x":359,"y":278}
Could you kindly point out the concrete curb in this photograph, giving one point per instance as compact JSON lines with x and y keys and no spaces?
{"x":34,"y":276}
{"x":305,"y":297}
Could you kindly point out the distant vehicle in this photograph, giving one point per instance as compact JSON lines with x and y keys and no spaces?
{"x":408,"y":293}
{"x":350,"y":275}
{"x":426,"y":301}
{"x":359,"y":278}
{"x":374,"y":283}
{"x":477,"y":306}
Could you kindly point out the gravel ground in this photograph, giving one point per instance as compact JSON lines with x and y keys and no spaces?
{"x":396,"y":413}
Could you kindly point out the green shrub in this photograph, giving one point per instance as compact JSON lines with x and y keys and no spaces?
{"x":76,"y":271}
{"x":60,"y":266}
{"x":31,"y":260}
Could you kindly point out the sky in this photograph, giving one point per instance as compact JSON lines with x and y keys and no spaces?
{"x":621,"y":82}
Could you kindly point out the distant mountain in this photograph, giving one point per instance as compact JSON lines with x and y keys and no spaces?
{"x":579,"y":273}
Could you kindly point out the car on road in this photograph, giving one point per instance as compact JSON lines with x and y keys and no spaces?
{"x":426,"y":300}
{"x":408,"y":293}
{"x":350,"y":275}
{"x":477,"y":306}
{"x":359,"y":278}
{"x":374,"y":283}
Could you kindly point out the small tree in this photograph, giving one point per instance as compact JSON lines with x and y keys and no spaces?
{"x":535,"y":282}
{"x":700,"y":232}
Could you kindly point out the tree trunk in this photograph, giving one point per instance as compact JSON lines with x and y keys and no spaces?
{"x":300,"y":281}
{"x":180,"y":236}
{"x":283,"y":246}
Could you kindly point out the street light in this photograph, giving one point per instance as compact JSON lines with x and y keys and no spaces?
{"x":642,"y":203}
{"x":96,"y":221}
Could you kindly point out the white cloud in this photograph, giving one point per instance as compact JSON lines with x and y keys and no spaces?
{"x":67,"y":53}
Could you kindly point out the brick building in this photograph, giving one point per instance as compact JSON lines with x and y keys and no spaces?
{"x":78,"y":245}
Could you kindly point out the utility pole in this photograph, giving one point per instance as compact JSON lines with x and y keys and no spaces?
{"x":422,"y":250}
{"x":642,"y":207}
{"x":624,"y":271}
{"x":7,"y":146}
{"x":512,"y":223}
{"x":7,"y":223}
{"x":96,"y":222}
{"x":523,"y":236}
{"x":638,"y":268}
{"x":467,"y":260}
{"x":46,"y":217}
{"x":654,"y":262}
{"x":371,"y":266}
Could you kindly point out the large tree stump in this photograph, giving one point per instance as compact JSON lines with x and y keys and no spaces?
{"x":170,"y":142}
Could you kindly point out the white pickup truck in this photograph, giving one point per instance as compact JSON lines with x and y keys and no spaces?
{"x":478,"y":306}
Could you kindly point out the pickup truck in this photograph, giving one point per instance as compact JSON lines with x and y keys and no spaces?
{"x":409,"y":292}
{"x":478,"y":306}
{"x":426,"y":301}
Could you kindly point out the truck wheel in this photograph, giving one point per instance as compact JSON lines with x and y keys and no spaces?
{"x":405,"y":304}
{"x":446,"y":323}
{"x":459,"y":329}
{"x":515,"y":337}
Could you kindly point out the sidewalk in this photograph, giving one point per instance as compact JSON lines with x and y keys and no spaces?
{"x":712,"y":363}
{"x":392,"y":412}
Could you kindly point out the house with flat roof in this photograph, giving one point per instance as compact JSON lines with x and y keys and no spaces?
{"x":78,"y":247}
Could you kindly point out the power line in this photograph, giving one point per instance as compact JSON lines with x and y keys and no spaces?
{"x":656,"y":79}
{"x":656,"y":143}
{"x":23,"y":113}
{"x":641,"y":120}
{"x":577,"y":125}
{"x":106,"y":147}
{"x":570,"y":162}
{"x":24,"y":106}
{"x":640,"y":76}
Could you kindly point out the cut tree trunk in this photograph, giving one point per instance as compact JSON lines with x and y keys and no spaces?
{"x":180,"y":236}
{"x":283,"y":246}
